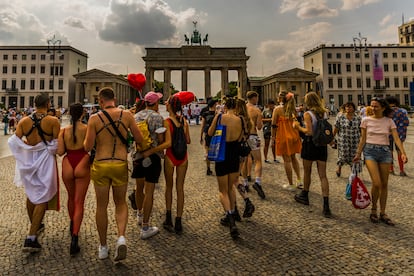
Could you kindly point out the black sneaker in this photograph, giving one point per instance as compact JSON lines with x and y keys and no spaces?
{"x":327,"y":213}
{"x":168,"y":225}
{"x":178,"y":226}
{"x":225,"y":221}
{"x":302,"y":197}
{"x":248,"y":209}
{"x":236,"y":215}
{"x":246,"y":188}
{"x":259,"y":190}
{"x":209,"y":172}
{"x":31,"y":246}
{"x":131,"y":198}
{"x":249,"y":178}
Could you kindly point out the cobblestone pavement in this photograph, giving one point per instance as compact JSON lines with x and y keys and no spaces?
{"x":282,"y":237}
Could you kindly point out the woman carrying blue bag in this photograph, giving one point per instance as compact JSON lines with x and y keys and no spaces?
{"x":227,"y":171}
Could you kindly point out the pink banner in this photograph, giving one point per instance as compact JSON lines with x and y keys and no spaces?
{"x":377,"y":64}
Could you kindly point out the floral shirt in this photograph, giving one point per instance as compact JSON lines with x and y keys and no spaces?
{"x":400,"y":119}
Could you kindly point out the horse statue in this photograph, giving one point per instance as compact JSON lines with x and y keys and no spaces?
{"x":196,"y":38}
{"x":205,"y":40}
{"x":187,"y":40}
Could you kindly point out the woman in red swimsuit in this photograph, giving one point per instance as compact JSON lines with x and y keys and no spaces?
{"x":75,"y":170}
{"x":171,"y":163}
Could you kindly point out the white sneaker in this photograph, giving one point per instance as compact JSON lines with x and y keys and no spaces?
{"x":120,"y":249}
{"x":103,"y":252}
{"x":289,"y":187}
{"x":151,"y":231}
{"x":140,"y":218}
{"x":299,"y":184}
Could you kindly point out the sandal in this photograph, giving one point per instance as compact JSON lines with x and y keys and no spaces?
{"x":374,"y":218}
{"x":385,"y":219}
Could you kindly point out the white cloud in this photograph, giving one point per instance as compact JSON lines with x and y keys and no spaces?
{"x":386,"y":20}
{"x":308,"y":9}
{"x":354,"y":4}
{"x":288,"y":53}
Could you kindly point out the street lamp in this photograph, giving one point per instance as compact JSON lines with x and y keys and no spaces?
{"x":359,"y":43}
{"x":53,"y":44}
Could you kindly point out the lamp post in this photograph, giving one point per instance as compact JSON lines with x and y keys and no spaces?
{"x":53,"y":44}
{"x":359,"y":43}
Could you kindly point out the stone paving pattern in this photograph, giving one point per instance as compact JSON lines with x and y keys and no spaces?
{"x":282,"y":237}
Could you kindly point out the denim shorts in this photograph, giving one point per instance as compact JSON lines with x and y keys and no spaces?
{"x":378,"y":153}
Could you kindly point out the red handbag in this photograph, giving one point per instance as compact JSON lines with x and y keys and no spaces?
{"x":360,"y":195}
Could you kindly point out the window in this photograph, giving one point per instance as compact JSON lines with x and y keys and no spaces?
{"x":385,"y":55}
{"x":358,"y":82}
{"x":51,"y":70}
{"x":358,"y":68}
{"x":385,"y":67}
{"x":52,"y":57}
{"x":377,"y":83}
{"x":24,"y":57}
{"x":396,"y":82}
{"x":366,"y":55}
{"x":43,"y":57}
{"x":405,"y":82}
{"x":347,"y":55}
{"x":23,"y":69}
{"x":330,"y":83}
{"x":5,"y":57}
{"x":33,"y":69}
{"x":33,"y":57}
{"x":32,"y":84}
{"x":404,"y":67}
{"x":412,"y":67}
{"x":4,"y":69}
{"x":387,"y":82}
{"x":31,"y":100}
{"x":60,"y":70}
{"x":42,"y":69}
{"x":348,"y":83}
{"x":368,"y":82}
{"x":14,"y":57}
{"x":406,"y":99}
{"x":340,"y":99}
{"x":329,"y":55}
{"x":403,"y":55}
{"x":51,"y":84}
{"x":348,"y":67}
{"x":60,"y":85}
{"x":412,"y":54}
{"x":367,"y":68}
{"x":394,"y":55}
{"x":349,"y":98}
{"x":395,"y":67}
{"x":338,"y":55}
{"x":3,"y":84}
{"x":14,"y":69}
{"x":13,"y":84}
{"x":339,"y":82}
{"x":329,"y":68}
{"x":22,"y":84}
{"x":356,"y":54}
{"x":61,"y":57}
{"x":42,"y":84}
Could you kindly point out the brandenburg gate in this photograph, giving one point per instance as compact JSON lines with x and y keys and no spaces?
{"x":200,"y":57}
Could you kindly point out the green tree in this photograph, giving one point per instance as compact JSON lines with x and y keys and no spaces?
{"x":159,"y":87}
{"x":232,"y":90}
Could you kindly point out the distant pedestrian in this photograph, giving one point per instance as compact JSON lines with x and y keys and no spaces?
{"x":267,"y":131}
{"x":196,"y":113}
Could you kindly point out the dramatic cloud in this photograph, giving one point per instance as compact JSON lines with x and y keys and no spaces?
{"x":19,"y":27}
{"x":308,"y":9}
{"x":288,"y":53}
{"x":354,"y":4}
{"x":142,"y":22}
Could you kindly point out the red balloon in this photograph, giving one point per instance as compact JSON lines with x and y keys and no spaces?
{"x":185,"y":97}
{"x":137,"y":81}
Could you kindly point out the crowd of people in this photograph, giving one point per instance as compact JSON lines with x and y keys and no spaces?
{"x":97,"y":149}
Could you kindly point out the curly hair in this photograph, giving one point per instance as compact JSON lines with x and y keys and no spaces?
{"x":76,"y":112}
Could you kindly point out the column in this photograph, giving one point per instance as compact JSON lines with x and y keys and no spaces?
{"x":242,"y":72}
{"x":149,"y":76}
{"x":207,"y":83}
{"x":167,"y":83}
{"x":224,"y":81}
{"x":184,"y":76}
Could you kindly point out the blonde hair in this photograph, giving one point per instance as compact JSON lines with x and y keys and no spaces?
{"x":314,"y":103}
{"x":289,"y":104}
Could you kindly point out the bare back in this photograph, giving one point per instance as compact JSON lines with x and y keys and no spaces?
{"x":49,"y":124}
{"x":255,"y":117}
{"x":233,"y":127}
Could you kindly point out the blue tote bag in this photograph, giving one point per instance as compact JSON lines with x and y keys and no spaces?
{"x":217,"y":149}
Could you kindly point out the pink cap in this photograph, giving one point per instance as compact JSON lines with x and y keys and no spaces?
{"x":152,"y":97}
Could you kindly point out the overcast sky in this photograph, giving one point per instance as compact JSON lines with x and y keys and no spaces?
{"x":114,"y":33}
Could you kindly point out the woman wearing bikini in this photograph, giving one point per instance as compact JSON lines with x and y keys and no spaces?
{"x":75,"y":170}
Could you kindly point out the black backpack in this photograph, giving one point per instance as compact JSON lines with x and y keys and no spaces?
{"x":323,"y":134}
{"x":179,"y":142}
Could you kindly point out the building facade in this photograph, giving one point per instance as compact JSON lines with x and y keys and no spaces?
{"x":356,"y":74}
{"x":406,"y":33}
{"x":30,"y":70}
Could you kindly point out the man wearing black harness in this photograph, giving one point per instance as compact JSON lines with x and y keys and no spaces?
{"x":36,"y":157}
{"x":108,"y":130}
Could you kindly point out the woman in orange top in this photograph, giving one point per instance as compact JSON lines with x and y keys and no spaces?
{"x":288,"y":141}
{"x":171,"y":163}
